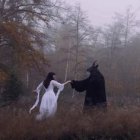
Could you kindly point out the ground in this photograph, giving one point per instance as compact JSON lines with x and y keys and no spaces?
{"x":118,"y":123}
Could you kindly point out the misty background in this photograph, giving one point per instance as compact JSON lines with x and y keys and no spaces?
{"x":101,"y":12}
{"x":65,"y":37}
{"x":38,"y":36}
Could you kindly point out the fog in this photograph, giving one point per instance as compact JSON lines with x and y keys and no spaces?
{"x":67,"y":37}
{"x":100,"y":12}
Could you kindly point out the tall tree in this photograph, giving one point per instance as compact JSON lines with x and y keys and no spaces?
{"x":80,"y":33}
{"x":128,"y":22}
{"x":20,"y":29}
{"x":22,"y":35}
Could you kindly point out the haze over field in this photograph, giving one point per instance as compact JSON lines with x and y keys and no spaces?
{"x":39,"y":36}
{"x":100,"y":12}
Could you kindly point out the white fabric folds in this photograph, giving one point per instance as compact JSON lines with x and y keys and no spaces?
{"x":48,"y":105}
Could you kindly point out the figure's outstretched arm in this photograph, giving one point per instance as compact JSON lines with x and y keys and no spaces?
{"x":79,"y":86}
{"x":58,"y":85}
{"x":38,"y":87}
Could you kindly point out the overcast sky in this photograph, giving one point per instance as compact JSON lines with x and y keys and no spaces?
{"x":100,"y":12}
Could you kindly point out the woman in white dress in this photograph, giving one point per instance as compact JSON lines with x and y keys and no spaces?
{"x":48,"y":104}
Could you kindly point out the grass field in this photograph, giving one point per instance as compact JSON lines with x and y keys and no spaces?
{"x":69,"y":123}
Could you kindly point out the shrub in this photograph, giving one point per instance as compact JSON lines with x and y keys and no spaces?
{"x":13,"y":88}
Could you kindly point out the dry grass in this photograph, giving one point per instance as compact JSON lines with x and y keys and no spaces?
{"x":115,"y":124}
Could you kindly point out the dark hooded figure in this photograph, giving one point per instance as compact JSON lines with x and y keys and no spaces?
{"x":94,"y":86}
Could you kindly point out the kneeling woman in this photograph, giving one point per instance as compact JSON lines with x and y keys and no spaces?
{"x":48,"y":104}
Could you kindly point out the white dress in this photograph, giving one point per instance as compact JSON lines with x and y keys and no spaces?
{"x":48,"y":104}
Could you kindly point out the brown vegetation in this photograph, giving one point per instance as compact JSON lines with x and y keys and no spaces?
{"x":70,"y":123}
{"x":26,"y":34}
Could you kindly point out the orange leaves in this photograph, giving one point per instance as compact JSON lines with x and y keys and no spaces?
{"x":23,"y":39}
{"x":15,"y":32}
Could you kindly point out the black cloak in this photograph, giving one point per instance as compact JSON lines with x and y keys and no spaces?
{"x":94,"y":86}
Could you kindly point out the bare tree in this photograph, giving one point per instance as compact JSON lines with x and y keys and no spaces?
{"x":128,"y":22}
{"x":72,"y":38}
{"x":78,"y":21}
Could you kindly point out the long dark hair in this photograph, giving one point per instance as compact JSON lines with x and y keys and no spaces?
{"x":48,"y":79}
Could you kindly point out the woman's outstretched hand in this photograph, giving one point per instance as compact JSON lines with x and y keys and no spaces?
{"x":67,"y":82}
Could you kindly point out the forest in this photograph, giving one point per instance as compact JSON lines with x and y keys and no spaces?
{"x":39,"y":36}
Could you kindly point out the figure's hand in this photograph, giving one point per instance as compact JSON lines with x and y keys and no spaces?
{"x":72,"y":83}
